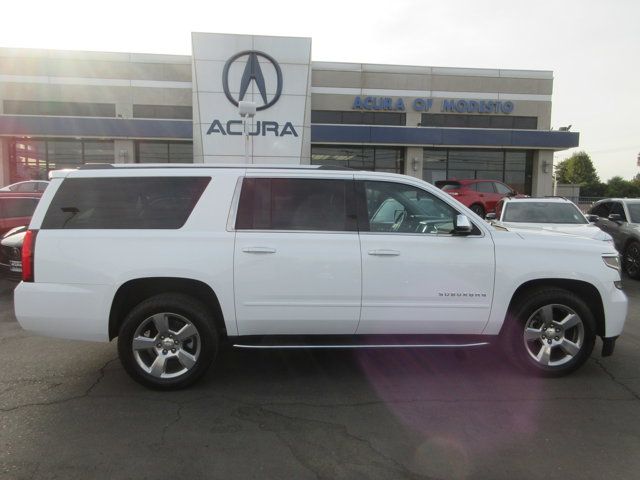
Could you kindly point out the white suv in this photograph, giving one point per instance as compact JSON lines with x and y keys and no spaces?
{"x":174,"y":260}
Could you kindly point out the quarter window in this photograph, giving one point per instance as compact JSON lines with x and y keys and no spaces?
{"x":398,"y":208}
{"x":485,"y":187}
{"x":296,"y":204}
{"x":124,"y":202}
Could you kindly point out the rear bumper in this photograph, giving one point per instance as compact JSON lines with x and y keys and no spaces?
{"x":79,"y":312}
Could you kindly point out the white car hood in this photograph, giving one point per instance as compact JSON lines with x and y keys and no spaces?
{"x":584,"y":230}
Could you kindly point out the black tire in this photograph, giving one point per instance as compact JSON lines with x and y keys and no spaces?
{"x":478,"y":210}
{"x":184,"y":354}
{"x":631,"y":260}
{"x":552,"y":359}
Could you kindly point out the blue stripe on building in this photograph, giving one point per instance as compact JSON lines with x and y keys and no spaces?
{"x":183,"y":129}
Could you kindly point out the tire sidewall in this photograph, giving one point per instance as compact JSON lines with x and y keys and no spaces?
{"x":517,"y":319}
{"x":180,"y":304}
{"x":635,"y":245}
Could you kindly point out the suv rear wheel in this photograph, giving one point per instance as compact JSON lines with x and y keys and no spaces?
{"x":551,"y":332}
{"x":167,"y":341}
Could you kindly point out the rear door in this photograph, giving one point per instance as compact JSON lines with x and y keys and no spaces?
{"x":297,"y":256}
{"x":487,"y":195}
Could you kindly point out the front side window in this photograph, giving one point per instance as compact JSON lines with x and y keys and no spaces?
{"x":502,"y":189}
{"x":618,"y":210}
{"x":485,"y":187}
{"x":634,"y":212}
{"x":397,"y":208}
{"x":296,"y":204}
{"x":601,"y":210}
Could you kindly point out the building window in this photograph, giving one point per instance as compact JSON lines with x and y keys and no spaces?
{"x":164,"y":152}
{"x":478,"y":121}
{"x":379,"y":159}
{"x":59,"y":109}
{"x":358,"y":118}
{"x":513,"y":167}
{"x":32,"y":159}
{"x":163,"y":111}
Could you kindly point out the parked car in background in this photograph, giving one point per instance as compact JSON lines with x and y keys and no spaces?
{"x":29,"y":186}
{"x":480,"y":196}
{"x":16,"y":210}
{"x":11,"y":252}
{"x":620,"y":218}
{"x":553,"y":214}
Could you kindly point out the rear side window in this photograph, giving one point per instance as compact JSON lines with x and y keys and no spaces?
{"x":124,"y":202}
{"x":296,"y":204}
{"x":485,"y":187}
{"x":18,"y":207}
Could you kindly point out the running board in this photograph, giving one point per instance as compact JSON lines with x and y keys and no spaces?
{"x":417,"y":345}
{"x":359,"y":341}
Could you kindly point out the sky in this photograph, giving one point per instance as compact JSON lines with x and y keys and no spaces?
{"x":593,"y":47}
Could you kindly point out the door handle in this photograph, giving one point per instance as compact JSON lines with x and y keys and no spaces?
{"x":384,"y":252}
{"x":259,"y":250}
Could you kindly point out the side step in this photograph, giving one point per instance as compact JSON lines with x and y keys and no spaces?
{"x":360,"y":341}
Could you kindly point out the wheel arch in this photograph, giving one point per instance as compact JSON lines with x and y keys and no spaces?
{"x":585,"y":290}
{"x":132,"y":292}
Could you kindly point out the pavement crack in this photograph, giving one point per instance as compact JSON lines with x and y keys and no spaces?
{"x":615,"y":380}
{"x":326,"y":448}
{"x":101,"y":374}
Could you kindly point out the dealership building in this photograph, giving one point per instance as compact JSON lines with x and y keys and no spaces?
{"x":61,"y":109}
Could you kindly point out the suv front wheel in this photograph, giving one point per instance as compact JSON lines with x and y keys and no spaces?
{"x":550,"y":332}
{"x":167,"y":341}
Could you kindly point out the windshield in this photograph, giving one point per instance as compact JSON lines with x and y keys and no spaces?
{"x":543,"y":212}
{"x":634,"y":212}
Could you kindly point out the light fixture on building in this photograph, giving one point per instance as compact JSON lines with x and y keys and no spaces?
{"x":123,"y":155}
{"x":414,"y":164}
{"x":565,"y":129}
{"x":547,"y":167}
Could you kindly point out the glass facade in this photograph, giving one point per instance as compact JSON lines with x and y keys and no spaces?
{"x":379,"y":159}
{"x":164,"y":152}
{"x":478,"y":121}
{"x":358,"y":118}
{"x":32,"y":159}
{"x":513,"y":167}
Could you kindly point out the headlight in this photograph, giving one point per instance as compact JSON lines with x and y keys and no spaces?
{"x":612,"y":261}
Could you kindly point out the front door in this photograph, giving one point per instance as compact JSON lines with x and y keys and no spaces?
{"x":297,"y":257}
{"x":419,"y":278}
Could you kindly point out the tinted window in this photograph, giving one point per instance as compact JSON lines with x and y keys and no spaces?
{"x":18,"y":207}
{"x":616,"y":208}
{"x":634,"y":212}
{"x":398,"y":208}
{"x":502,"y":189}
{"x":543,"y":212}
{"x":131,"y":202}
{"x":485,"y":187}
{"x":25,"y":187}
{"x":602,"y":209}
{"x":296,"y":204}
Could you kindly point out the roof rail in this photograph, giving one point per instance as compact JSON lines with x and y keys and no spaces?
{"x":95,"y":166}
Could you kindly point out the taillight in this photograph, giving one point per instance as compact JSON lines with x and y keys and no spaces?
{"x":28,"y":250}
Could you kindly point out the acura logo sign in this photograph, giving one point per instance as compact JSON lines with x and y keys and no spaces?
{"x":253,"y":73}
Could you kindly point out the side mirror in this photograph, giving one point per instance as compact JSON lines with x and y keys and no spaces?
{"x":490,"y":216}
{"x":593,"y":218}
{"x":615,"y":217}
{"x":462,"y":225}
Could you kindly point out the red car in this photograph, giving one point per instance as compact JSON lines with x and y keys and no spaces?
{"x":16,"y":210}
{"x":480,"y":196}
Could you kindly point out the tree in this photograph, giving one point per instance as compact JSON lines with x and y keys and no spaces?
{"x":619,"y":187}
{"x":577,"y":169}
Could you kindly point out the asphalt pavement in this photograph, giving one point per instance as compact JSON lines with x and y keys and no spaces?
{"x":68,"y":411}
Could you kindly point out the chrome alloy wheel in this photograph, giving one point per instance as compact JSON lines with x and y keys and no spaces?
{"x":166,"y":345}
{"x":553,"y":335}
